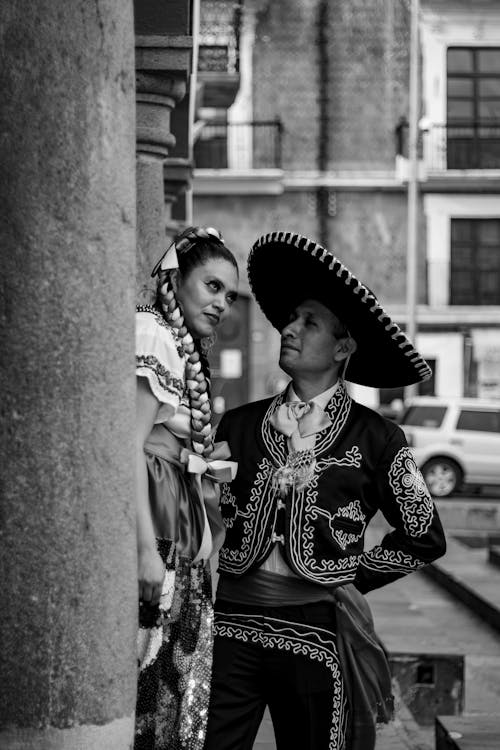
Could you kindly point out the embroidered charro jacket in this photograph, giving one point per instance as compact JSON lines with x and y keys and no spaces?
{"x":360,"y":464}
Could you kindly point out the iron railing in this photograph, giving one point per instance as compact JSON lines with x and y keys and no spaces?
{"x":455,"y":145}
{"x":239,"y":145}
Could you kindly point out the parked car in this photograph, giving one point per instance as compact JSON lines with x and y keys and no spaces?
{"x":455,"y":441}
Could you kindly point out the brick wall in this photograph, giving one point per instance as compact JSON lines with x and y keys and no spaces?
{"x":285,"y":76}
{"x":365,"y":80}
{"x":369,"y":61}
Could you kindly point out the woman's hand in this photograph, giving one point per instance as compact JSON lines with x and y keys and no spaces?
{"x":151,"y":575}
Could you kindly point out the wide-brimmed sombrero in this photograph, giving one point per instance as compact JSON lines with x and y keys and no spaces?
{"x":286,"y":268}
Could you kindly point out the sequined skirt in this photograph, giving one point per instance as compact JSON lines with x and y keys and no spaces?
{"x":175,"y":658}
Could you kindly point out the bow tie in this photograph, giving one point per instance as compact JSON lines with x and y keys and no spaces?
{"x":307,"y":418}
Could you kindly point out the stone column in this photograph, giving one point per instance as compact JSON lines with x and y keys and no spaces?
{"x":157,"y":94}
{"x":67,"y":241}
{"x":178,"y":168}
{"x":163,"y":60}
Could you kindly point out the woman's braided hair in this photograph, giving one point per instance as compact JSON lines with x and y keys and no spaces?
{"x":193,"y":246}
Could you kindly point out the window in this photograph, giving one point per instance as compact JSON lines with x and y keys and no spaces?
{"x":424,"y":416}
{"x":480,"y":421}
{"x":210,"y":150}
{"x":238,"y":145}
{"x":475,"y":262}
{"x":473,"y":107}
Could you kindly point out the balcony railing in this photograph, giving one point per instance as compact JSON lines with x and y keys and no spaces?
{"x":239,"y":145}
{"x":457,"y":145}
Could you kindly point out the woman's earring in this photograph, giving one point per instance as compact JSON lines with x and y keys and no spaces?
{"x":207,"y":343}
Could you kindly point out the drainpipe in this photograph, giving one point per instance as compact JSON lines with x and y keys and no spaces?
{"x":192,"y":104}
{"x":412,"y":196}
{"x":324,"y":120}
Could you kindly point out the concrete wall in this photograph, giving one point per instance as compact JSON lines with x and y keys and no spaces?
{"x":67,"y":239}
{"x":243,"y":218}
{"x":368,"y":232}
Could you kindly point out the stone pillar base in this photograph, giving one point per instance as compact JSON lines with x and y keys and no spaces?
{"x":117,"y":735}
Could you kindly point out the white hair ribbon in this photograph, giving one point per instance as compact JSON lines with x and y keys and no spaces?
{"x":167,"y":261}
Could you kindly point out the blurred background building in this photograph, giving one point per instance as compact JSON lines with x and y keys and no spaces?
{"x":301,"y":124}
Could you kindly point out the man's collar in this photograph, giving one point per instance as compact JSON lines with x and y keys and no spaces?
{"x":321,"y":399}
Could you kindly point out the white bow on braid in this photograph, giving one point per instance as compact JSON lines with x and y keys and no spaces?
{"x":169,"y":259}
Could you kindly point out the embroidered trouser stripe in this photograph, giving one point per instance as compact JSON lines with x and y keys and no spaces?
{"x":291,"y":666}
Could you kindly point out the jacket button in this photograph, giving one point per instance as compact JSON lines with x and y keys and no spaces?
{"x":277,"y":538}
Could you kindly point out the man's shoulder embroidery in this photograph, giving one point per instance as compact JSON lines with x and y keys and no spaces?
{"x":411,"y":493}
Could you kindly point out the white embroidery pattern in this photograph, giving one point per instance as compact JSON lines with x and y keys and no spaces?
{"x":275,"y":442}
{"x":229,"y":508}
{"x":327,"y":570}
{"x":350,"y":512}
{"x":315,"y":643}
{"x":352,"y":459}
{"x":256,"y":517}
{"x":304,"y":510}
{"x":389,"y":561}
{"x":411,"y":493}
{"x":338,"y":409}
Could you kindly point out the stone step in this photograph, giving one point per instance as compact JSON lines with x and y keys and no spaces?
{"x":460,"y":513}
{"x":466,"y":575}
{"x":468,"y":732}
{"x":428,"y":682}
{"x":494,"y":555}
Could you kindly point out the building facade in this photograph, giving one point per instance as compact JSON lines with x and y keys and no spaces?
{"x":460,"y":45}
{"x":315,"y":142}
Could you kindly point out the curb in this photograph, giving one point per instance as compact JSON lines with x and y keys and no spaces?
{"x":488,"y":612}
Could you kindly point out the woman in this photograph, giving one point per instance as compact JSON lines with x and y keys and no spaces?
{"x":178,"y":523}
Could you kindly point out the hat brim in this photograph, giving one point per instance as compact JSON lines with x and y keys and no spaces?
{"x":284,"y":269}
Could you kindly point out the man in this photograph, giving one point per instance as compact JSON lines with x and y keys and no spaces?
{"x":293,"y":630}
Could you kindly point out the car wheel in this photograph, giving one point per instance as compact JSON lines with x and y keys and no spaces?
{"x":442,"y":476}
